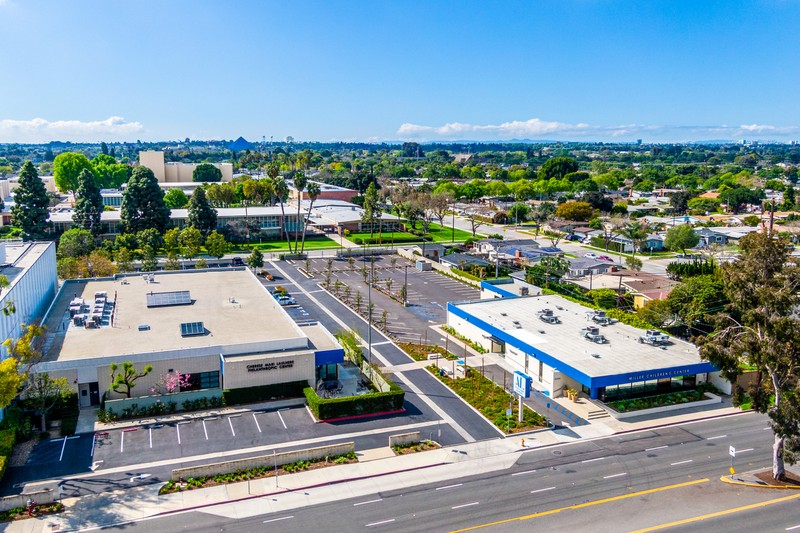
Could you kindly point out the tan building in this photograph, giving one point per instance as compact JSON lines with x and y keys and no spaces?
{"x":221,"y":327}
{"x":176,"y":172}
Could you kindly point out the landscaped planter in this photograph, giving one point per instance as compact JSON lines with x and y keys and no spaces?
{"x":711,"y":399}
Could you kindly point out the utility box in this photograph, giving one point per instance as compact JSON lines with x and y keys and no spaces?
{"x":423,"y":266}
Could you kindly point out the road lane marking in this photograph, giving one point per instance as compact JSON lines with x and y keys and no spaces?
{"x":586,"y":504}
{"x":523,"y":473}
{"x":465,"y":505}
{"x":681,"y":462}
{"x":656,"y":448}
{"x":256,"y":421}
{"x":719,"y":513}
{"x":717,"y":437}
{"x":614,"y":475}
{"x":277,"y":519}
{"x":541,"y":490}
{"x":365,"y":503}
{"x":230,"y":423}
{"x":793,"y":527}
{"x":449,"y":486}
{"x":591,"y":460}
{"x":745,"y":450}
{"x":380,"y":523}
{"x":384,"y":342}
{"x":282,"y":421}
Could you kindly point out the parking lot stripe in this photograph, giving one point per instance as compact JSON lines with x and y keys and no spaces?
{"x":204,"y":429}
{"x":256,"y":421}
{"x":150,"y":432}
{"x":282,"y":422}
{"x":121,"y":442}
{"x":178,"y":427}
{"x":230,"y":423}
{"x":64,"y":445}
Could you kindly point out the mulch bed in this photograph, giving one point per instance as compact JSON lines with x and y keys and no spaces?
{"x":415,"y":448}
{"x":21,"y":513}
{"x":792,"y":480}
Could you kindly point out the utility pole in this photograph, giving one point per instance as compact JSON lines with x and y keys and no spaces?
{"x":405,"y":288}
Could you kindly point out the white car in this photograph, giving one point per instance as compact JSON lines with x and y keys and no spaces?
{"x":286,"y":300}
{"x":590,"y":255}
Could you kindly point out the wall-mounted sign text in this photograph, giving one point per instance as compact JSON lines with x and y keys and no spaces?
{"x":280,"y":365}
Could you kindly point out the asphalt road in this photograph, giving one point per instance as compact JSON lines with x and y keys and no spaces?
{"x":667,"y":477}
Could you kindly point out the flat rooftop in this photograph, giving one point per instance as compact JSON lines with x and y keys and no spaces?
{"x":235,"y":309}
{"x":20,"y":256}
{"x":517,"y":317}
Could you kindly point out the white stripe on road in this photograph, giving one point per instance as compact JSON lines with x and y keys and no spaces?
{"x":592,"y":460}
{"x":205,"y":430}
{"x":256,"y":421}
{"x":541,"y":490}
{"x":277,"y":519}
{"x":681,"y":462}
{"x":745,"y":450}
{"x":717,"y":437}
{"x":614,"y":475}
{"x":282,"y":421}
{"x":523,"y":473}
{"x":381,"y":522}
{"x":230,"y":423}
{"x":365,"y":503}
{"x":449,"y":486}
{"x":465,"y":505}
{"x":381,"y":343}
{"x":656,"y":448}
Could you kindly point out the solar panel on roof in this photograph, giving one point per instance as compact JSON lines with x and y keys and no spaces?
{"x":166,"y":299}
{"x":190,"y":329}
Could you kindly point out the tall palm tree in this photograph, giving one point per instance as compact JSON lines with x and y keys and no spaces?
{"x":637,"y":232}
{"x":299,"y":181}
{"x":313,"y":193}
{"x":281,"y":192}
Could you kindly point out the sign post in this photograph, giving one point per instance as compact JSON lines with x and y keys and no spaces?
{"x":522,"y":388}
{"x":732,"y":452}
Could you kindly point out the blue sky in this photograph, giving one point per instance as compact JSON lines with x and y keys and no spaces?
{"x":658,"y":70}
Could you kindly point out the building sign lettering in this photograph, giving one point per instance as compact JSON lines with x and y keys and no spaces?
{"x":659,"y":375}
{"x":280,"y":365}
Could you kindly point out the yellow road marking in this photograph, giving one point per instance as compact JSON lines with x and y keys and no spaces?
{"x":582,"y":505}
{"x":718,"y":513}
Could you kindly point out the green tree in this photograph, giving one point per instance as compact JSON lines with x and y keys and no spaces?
{"x":172,"y":241}
{"x":681,"y":237}
{"x":176,"y":199}
{"x":558,"y":167}
{"x":518,"y":212}
{"x":575,"y":211}
{"x":255,"y":259}
{"x":371,"y":207}
{"x":679,"y":201}
{"x":149,"y":237}
{"x":108,"y":173}
{"x":149,"y":260}
{"x":76,"y":242}
{"x":206,"y":173}
{"x":124,"y":260}
{"x":637,"y":232}
{"x":760,"y":328}
{"x":216,"y":245}
{"x":281,"y":193}
{"x":43,"y":392}
{"x":299,"y":181}
{"x":127,"y":377}
{"x":88,"y":204}
{"x":201,"y":215}
{"x":696,"y":299}
{"x":190,"y":240}
{"x":66,"y":169}
{"x":143,"y":203}
{"x":10,"y":381}
{"x":30,"y":210}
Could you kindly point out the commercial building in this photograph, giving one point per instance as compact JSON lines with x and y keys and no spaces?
{"x":30,"y":268}
{"x":326,"y":192}
{"x":223,"y":328}
{"x":176,"y":172}
{"x":553,"y":340}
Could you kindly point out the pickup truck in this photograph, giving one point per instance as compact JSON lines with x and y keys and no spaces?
{"x":653,"y":337}
{"x":592,"y":334}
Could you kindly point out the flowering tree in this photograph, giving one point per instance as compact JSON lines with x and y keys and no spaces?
{"x":170,"y":382}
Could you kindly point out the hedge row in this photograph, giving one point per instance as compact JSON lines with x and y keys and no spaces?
{"x":373,"y":402}
{"x":261,"y":393}
{"x":7,"y":441}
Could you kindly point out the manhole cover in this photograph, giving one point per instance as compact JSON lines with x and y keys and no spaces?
{"x":557,"y":452}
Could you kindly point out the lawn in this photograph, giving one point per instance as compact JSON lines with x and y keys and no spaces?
{"x":313,"y":243}
{"x":437,"y":233}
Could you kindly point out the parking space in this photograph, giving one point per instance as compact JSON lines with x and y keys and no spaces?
{"x":202,"y":435}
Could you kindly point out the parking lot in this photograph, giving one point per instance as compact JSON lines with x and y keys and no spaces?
{"x":427,"y":294}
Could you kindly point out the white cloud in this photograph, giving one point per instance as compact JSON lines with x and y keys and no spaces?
{"x":541,"y":129}
{"x":39,"y":130}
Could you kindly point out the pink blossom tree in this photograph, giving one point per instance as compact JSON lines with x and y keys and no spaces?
{"x":171,"y":382}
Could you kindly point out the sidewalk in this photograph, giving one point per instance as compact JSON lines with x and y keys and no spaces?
{"x":241,"y":500}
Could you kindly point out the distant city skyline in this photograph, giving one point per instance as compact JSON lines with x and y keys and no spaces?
{"x":570,"y":70}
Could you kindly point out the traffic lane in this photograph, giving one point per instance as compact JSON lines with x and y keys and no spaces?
{"x":780,"y":513}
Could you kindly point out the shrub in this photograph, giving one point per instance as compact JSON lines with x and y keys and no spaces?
{"x":374,"y":402}
{"x":261,"y":393}
{"x":358,"y":240}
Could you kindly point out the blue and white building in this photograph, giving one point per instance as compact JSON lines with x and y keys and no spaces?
{"x":557,"y":354}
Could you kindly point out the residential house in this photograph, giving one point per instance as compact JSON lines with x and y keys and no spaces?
{"x":582,"y":266}
{"x":460,"y":261}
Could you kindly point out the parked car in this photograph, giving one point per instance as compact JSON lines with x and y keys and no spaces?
{"x":286,"y":300}
{"x":237,"y":261}
{"x":573,"y":238}
{"x":590,"y":255}
{"x":605,"y":258}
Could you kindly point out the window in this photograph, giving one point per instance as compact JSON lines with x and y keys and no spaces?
{"x":203,"y":380}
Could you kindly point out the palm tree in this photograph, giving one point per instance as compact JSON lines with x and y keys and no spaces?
{"x":313,"y":193}
{"x":300,"y":181}
{"x":637,"y":232}
{"x":281,"y":192}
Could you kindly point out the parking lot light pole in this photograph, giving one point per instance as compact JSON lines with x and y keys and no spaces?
{"x":369,"y":317}
{"x":405,"y":288}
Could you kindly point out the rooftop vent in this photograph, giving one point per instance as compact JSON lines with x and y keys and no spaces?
{"x":144,"y":327}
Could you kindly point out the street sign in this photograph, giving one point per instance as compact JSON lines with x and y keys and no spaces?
{"x":732,"y":451}
{"x":509,"y":412}
{"x":522,"y":384}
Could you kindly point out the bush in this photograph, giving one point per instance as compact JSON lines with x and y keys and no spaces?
{"x":7,"y":441}
{"x":631,"y":319}
{"x":358,"y":240}
{"x":262,"y":393}
{"x":374,"y":402}
{"x":18,"y":421}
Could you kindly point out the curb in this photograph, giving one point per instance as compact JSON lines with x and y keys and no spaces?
{"x":730,"y":481}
